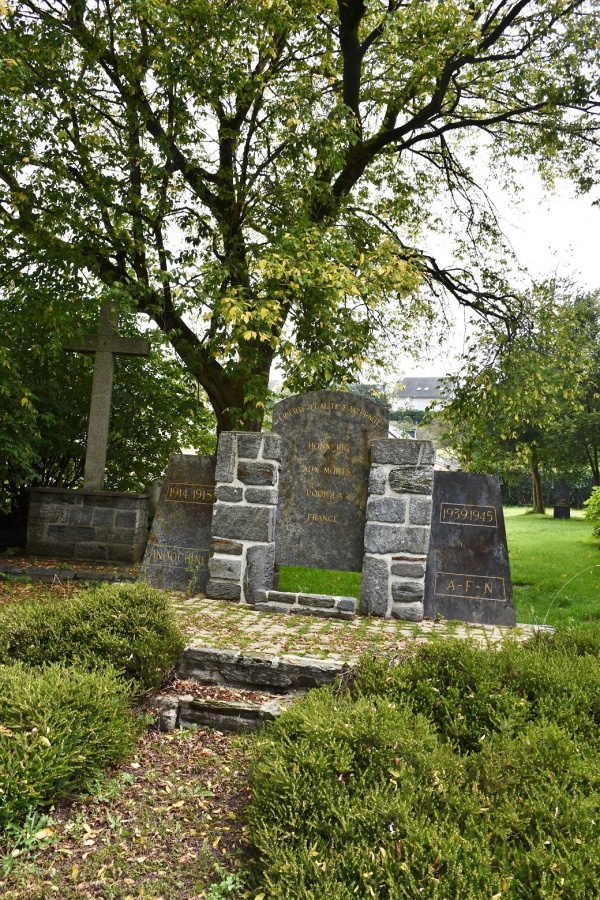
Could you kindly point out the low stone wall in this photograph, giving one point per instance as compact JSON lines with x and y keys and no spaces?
{"x":243,"y":524}
{"x":51,"y":575}
{"x":321,"y":605}
{"x":397,"y":529}
{"x":88,"y":525}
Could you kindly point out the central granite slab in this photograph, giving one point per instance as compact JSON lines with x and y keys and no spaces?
{"x":177,"y":552}
{"x":325,"y":462}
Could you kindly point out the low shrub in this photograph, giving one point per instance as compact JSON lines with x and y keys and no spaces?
{"x":468,"y":693}
{"x":128,"y":626}
{"x":458,"y":773}
{"x":583,"y":640}
{"x":59,"y":729}
{"x":592,"y":508}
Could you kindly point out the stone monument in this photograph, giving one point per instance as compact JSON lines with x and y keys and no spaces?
{"x":467,"y":574}
{"x":562,"y":499}
{"x":177,"y":552}
{"x":91,"y":523}
{"x":325,"y":462}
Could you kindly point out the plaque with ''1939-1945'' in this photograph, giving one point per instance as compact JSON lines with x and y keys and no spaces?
{"x":468,"y":574}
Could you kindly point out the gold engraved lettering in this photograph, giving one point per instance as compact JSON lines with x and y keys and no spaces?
{"x":468,"y":514}
{"x":310,"y":470}
{"x":476,"y":587}
{"x":292,"y":412}
{"x":336,"y":470}
{"x":179,"y":556}
{"x":324,"y":495}
{"x":329,"y":446}
{"x":321,"y":517}
{"x":190,"y":493}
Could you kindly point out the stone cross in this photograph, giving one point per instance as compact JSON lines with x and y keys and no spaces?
{"x":106,"y":345}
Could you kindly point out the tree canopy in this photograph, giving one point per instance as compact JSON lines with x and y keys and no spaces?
{"x":531,"y":399}
{"x":259,"y":178}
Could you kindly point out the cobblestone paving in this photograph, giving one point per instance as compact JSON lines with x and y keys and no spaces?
{"x":216,"y":623}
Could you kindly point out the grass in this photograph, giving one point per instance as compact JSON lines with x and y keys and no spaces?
{"x":296,"y":579}
{"x":555,"y":568}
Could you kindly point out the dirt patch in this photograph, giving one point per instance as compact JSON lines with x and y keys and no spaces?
{"x":168,"y":824}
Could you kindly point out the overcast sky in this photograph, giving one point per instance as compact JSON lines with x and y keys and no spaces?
{"x":551,"y":234}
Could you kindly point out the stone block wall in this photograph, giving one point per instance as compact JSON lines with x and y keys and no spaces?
{"x":87,"y":525}
{"x":243,"y":524}
{"x":397,"y":529}
{"x":324,"y":606}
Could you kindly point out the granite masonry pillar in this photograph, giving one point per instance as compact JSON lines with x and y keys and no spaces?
{"x":243,"y":524}
{"x":397,"y":529}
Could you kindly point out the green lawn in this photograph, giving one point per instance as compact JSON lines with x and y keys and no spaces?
{"x":555,"y":568}
{"x":319,"y":581}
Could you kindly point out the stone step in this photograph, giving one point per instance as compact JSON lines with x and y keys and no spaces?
{"x":235,"y":716}
{"x":279,"y":674}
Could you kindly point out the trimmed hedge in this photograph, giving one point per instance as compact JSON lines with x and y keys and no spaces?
{"x":59,"y":728}
{"x":460,"y":773}
{"x":128,"y":626}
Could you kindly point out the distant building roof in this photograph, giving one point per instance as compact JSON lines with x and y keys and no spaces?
{"x":419,"y":388}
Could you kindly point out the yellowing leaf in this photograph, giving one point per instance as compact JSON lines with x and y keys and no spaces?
{"x":43,"y":834}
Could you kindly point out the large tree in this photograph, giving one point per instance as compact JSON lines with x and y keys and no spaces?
{"x":258,"y":177}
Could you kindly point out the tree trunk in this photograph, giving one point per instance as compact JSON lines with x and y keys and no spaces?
{"x":233,"y":396}
{"x":536,"y":482}
{"x":592,"y":455}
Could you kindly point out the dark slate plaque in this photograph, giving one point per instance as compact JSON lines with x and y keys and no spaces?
{"x":325,"y":462}
{"x":176,"y":556}
{"x":468,"y":574}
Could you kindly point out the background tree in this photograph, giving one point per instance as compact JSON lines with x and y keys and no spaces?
{"x":577,"y":439}
{"x":258,"y":179}
{"x":516,"y":396}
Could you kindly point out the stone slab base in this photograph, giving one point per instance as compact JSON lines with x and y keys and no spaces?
{"x":87,"y":525}
{"x":278,"y":674}
{"x":324,"y":606}
{"x":41,"y":574}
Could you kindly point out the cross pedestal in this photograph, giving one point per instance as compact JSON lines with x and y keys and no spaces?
{"x":106,"y":344}
{"x":93,"y":524}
